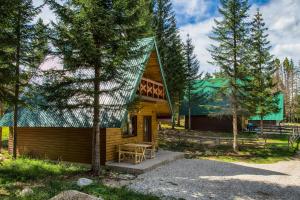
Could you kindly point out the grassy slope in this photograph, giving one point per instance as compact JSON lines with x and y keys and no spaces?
{"x":275,"y":150}
{"x":48,"y":179}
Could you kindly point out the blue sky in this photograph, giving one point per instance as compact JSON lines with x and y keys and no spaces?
{"x":196,"y":17}
{"x":200,"y":10}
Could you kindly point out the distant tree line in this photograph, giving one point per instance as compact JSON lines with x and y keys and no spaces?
{"x":287,"y":78}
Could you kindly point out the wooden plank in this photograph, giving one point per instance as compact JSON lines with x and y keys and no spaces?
{"x":67,"y":144}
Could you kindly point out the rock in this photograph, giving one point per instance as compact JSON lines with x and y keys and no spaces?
{"x":26,"y":192}
{"x":74,"y":195}
{"x":126,"y":177}
{"x":84,"y":182}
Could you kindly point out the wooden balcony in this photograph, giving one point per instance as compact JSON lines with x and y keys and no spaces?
{"x":151,"y":90}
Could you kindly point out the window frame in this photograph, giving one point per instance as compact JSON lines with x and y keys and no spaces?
{"x":133,"y":119}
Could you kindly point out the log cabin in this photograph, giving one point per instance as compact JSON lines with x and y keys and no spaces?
{"x":212,"y":111}
{"x":67,"y":135}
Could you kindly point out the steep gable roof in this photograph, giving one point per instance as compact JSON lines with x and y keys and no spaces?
{"x":35,"y":116}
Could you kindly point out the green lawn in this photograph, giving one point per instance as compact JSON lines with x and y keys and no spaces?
{"x":5,"y":133}
{"x":48,"y":179}
{"x":275,"y":150}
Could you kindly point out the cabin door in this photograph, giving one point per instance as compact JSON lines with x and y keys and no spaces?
{"x":147,"y":129}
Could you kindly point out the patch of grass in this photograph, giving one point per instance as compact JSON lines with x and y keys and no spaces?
{"x":275,"y":150}
{"x":52,"y":187}
{"x":5,"y":135}
{"x":47,"y":179}
{"x":26,"y":169}
{"x":258,"y":155}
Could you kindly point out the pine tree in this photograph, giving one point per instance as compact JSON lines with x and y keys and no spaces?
{"x":278,"y":75}
{"x":262,"y":89}
{"x":192,"y":65}
{"x":95,"y":39}
{"x":171,"y":50}
{"x":288,"y":69}
{"x":6,"y":56}
{"x":231,"y":52}
{"x":23,"y":49}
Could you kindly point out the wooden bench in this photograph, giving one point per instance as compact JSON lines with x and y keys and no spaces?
{"x":129,"y":153}
{"x":151,"y":150}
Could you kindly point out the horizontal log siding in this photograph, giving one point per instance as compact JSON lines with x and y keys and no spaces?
{"x":75,"y":144}
{"x":114,"y":135}
{"x":66,"y":144}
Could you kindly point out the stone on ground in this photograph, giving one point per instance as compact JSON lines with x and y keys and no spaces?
{"x":74,"y":195}
{"x":26,"y":192}
{"x":84,"y":182}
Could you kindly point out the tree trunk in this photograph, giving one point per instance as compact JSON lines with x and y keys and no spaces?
{"x":261,"y":126}
{"x":17,"y":86}
{"x":262,"y":129}
{"x":178,"y":118}
{"x":96,"y":125}
{"x":1,"y":109}
{"x":235,"y":129}
{"x":173,"y":121}
{"x":190,"y":121}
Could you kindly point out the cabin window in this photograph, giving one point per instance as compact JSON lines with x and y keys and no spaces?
{"x":130,"y":127}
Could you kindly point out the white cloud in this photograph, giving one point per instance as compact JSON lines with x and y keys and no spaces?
{"x":191,"y":7}
{"x":191,"y":10}
{"x":199,"y":33}
{"x":281,"y":17}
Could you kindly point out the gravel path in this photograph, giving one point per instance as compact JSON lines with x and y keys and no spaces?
{"x":206,"y":179}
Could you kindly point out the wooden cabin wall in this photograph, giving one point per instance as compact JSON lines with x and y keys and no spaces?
{"x":66,"y":144}
{"x":75,"y":144}
{"x":114,"y":136}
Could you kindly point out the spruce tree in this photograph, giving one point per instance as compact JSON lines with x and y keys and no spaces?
{"x":95,"y":39}
{"x":6,"y":54}
{"x":231,"y":52}
{"x":171,"y":50}
{"x":262,"y":95}
{"x":23,"y":49}
{"x":192,"y":65}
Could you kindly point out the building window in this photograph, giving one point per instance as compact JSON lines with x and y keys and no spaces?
{"x":130,"y":127}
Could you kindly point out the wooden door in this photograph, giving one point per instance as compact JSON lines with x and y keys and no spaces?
{"x":147,"y":129}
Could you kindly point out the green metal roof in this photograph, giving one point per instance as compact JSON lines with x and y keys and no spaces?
{"x":279,"y":116}
{"x":35,"y":116}
{"x":212,"y":103}
{"x":216,"y":103}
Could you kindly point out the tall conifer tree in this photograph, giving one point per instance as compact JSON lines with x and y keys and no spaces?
{"x":262,"y":89}
{"x":231,"y":52}
{"x":192,"y":66}
{"x":23,"y":49}
{"x":95,"y":39}
{"x":171,"y":50}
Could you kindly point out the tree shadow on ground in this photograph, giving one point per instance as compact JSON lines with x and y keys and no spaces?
{"x":230,"y":189}
{"x":206,"y":179}
{"x":204,"y":167}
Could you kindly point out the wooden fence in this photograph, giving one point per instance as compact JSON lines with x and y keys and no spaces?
{"x":278,"y":129}
{"x":209,"y":140}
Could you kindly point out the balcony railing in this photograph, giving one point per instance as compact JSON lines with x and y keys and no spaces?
{"x":151,"y":89}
